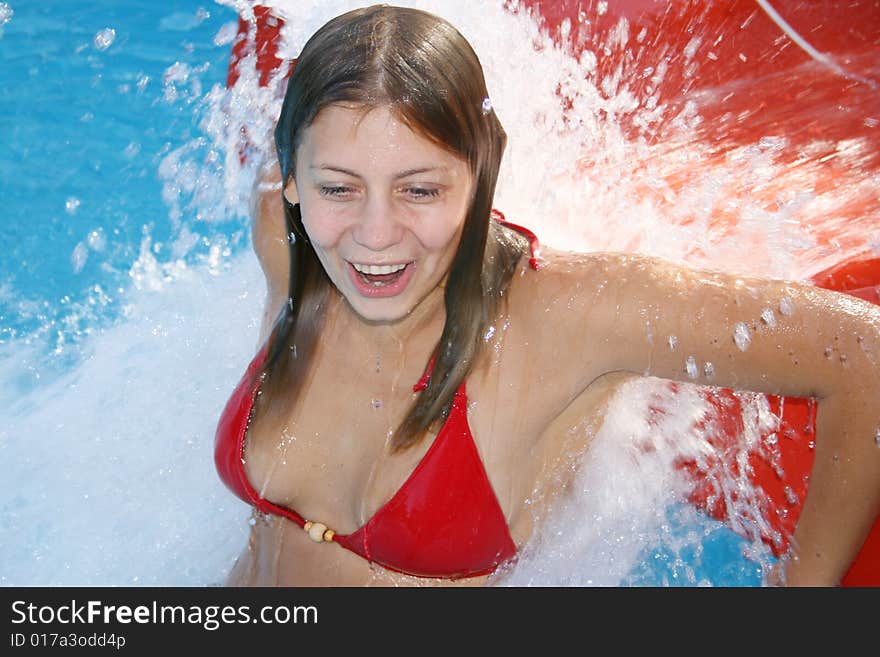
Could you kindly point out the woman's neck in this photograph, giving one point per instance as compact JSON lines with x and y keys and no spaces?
{"x":419,"y":330}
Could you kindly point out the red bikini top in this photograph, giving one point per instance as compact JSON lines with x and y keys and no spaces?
{"x":444,"y":521}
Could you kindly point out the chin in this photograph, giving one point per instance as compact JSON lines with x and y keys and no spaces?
{"x":375,"y":312}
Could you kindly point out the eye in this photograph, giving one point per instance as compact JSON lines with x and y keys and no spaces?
{"x":419,"y":193}
{"x":335,"y":191}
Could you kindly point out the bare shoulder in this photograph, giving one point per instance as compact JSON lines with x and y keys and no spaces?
{"x":572,"y":293}
{"x":560,"y":321}
{"x":268,"y":229}
{"x":564,"y":276}
{"x":600,"y":273}
{"x":269,"y":237}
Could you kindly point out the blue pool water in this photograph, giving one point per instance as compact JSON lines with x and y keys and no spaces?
{"x":129,"y":301}
{"x":86,"y":124}
{"x":93,"y":237}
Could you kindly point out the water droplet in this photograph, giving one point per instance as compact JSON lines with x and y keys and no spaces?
{"x":104,"y":38}
{"x":786,"y":307}
{"x":877,"y":437}
{"x":602,"y":8}
{"x":709,"y":370}
{"x":487,"y":105}
{"x":71,"y":205}
{"x":672,"y":341}
{"x":78,"y":257}
{"x":771,"y":439}
{"x":489,"y":334}
{"x":376,"y":403}
{"x":690,"y":366}
{"x":790,"y":496}
{"x":225,"y":34}
{"x":772,"y":143}
{"x":768,"y":317}
{"x":5,"y":13}
{"x":741,"y":336}
{"x":132,"y":150}
{"x":96,"y":240}
{"x":828,"y":352}
{"x":691,"y":48}
{"x":843,"y":359}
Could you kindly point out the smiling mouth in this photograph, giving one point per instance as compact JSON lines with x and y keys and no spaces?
{"x":380,"y":275}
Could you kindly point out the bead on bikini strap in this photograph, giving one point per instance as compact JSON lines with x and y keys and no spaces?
{"x":318,"y":532}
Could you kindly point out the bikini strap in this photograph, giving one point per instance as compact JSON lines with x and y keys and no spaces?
{"x":534,"y":245}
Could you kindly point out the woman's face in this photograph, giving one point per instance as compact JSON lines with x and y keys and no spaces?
{"x":383,"y":207}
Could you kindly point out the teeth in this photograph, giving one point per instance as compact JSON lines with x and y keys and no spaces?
{"x":377,"y":269}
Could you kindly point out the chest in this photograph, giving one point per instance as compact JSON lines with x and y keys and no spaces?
{"x":327,"y":458}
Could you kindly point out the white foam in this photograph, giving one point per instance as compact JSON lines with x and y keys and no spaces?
{"x":114,"y":482}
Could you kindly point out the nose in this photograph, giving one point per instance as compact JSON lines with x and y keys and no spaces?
{"x":378,"y":228}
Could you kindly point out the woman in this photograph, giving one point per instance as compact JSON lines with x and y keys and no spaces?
{"x":424,"y":364}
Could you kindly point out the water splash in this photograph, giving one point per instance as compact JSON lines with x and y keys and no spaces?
{"x":625,"y":518}
{"x":149,"y":387}
{"x":623,"y":165}
{"x":104,"y":38}
{"x":741,"y":336}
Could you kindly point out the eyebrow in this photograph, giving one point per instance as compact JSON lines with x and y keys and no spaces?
{"x":397,"y":176}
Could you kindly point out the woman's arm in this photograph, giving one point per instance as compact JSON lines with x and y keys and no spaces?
{"x":656,"y":318}
{"x":269,"y":236}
